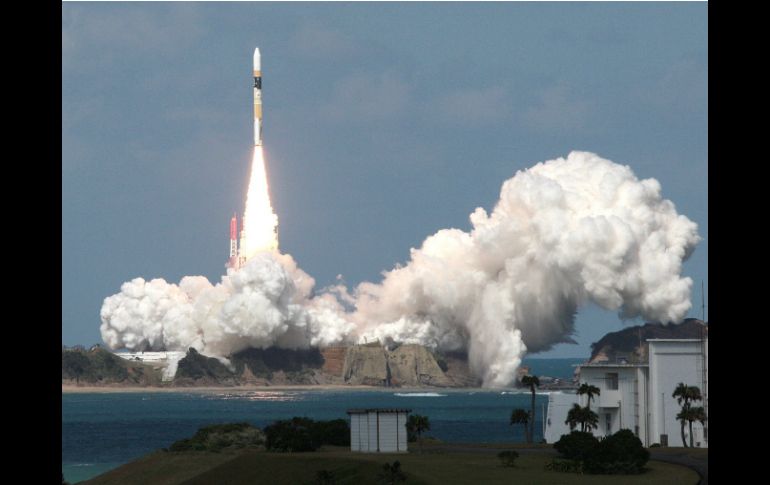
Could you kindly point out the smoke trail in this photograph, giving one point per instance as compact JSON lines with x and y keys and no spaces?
{"x":563,"y":233}
{"x":259,"y":220}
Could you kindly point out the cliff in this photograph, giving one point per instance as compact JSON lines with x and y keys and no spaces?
{"x":195,"y":369}
{"x":404,"y":365}
{"x":407,"y":365}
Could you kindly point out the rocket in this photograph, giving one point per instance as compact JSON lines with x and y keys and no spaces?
{"x":257,"y":98}
{"x":233,"y":237}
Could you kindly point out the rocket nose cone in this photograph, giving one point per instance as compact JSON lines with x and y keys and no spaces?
{"x":257,"y":60}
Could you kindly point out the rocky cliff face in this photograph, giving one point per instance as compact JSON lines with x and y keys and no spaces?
{"x":414,"y":365}
{"x":367,"y":365}
{"x":406,"y":365}
{"x":334,"y":360}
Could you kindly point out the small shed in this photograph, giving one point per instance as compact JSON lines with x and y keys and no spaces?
{"x":378,"y":430}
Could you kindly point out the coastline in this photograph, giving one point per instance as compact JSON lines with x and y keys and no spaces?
{"x":73,"y":389}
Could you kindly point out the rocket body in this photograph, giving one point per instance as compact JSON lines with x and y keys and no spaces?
{"x":257,"y":98}
{"x":233,"y":237}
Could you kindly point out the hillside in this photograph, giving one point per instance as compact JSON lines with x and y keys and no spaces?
{"x":98,"y":366}
{"x":625,"y":344}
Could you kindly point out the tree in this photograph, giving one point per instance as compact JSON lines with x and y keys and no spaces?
{"x":417,"y":424}
{"x":685,"y":395}
{"x":587,"y":419}
{"x":74,"y":363}
{"x":588,"y":390}
{"x":520,"y":416}
{"x":696,"y":413}
{"x":532,"y":382}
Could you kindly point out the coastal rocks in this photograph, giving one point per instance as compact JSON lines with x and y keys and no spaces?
{"x":405,"y":365}
{"x":414,"y":365}
{"x":366,"y":365}
{"x":334,"y":360}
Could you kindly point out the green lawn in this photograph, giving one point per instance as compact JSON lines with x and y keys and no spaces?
{"x":255,"y":467}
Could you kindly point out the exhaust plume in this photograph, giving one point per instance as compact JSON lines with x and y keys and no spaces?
{"x":260,"y":223}
{"x":564,"y":232}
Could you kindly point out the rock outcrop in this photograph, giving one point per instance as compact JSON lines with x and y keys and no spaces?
{"x":414,"y":365}
{"x":405,"y":365}
{"x":366,"y":365}
{"x":334,"y":360}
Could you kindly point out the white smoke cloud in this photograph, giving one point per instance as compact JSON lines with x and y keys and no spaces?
{"x":564,"y":232}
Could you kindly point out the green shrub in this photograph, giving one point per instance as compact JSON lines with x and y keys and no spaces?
{"x":335,"y":432}
{"x":218,"y":437}
{"x":508,"y":458}
{"x":578,"y":445}
{"x":565,"y":466}
{"x":655,"y":445}
{"x":620,"y":453}
{"x":304,"y":434}
{"x":391,"y":474}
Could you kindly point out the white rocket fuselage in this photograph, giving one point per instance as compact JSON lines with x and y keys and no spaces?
{"x":257,"y":98}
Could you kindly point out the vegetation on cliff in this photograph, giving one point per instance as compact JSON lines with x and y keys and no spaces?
{"x":100,"y":366}
{"x":626,"y":342}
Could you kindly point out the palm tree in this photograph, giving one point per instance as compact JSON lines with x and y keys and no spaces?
{"x":587,"y":419}
{"x":520,"y":416}
{"x":573,"y":416}
{"x":532,"y":382}
{"x":590,"y":420}
{"x":418,"y":424}
{"x":684,"y":395}
{"x":696,"y":414}
{"x":588,"y":390}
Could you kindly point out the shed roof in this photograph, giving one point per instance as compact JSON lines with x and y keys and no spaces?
{"x":379,"y":410}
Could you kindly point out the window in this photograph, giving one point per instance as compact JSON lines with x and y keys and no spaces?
{"x":608,"y":418}
{"x":612,"y":381}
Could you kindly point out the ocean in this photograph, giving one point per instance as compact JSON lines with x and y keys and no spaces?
{"x":102,"y":431}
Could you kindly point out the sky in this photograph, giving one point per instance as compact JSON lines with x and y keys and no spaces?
{"x":383,"y":123}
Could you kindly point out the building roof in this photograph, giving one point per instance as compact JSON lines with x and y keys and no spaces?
{"x":379,"y":410}
{"x":611,"y":364}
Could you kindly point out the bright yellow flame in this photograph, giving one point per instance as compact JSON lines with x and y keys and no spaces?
{"x":259,"y":220}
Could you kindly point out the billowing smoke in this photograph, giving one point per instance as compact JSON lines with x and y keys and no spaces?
{"x":564,"y":232}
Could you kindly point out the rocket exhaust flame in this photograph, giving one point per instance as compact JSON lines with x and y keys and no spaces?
{"x":259,"y":221}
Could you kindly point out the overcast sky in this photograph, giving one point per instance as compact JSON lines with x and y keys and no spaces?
{"x":383,"y":122}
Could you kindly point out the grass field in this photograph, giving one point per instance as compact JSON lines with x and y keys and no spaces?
{"x":256,"y":467}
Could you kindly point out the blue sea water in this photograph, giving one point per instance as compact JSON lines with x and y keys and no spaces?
{"x":102,"y":431}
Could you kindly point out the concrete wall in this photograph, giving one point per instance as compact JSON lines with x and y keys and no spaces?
{"x":559,"y":405}
{"x":672,"y":362}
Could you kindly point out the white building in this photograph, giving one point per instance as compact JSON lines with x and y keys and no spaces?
{"x":639,"y":396}
{"x":378,"y":430}
{"x":166,"y":361}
